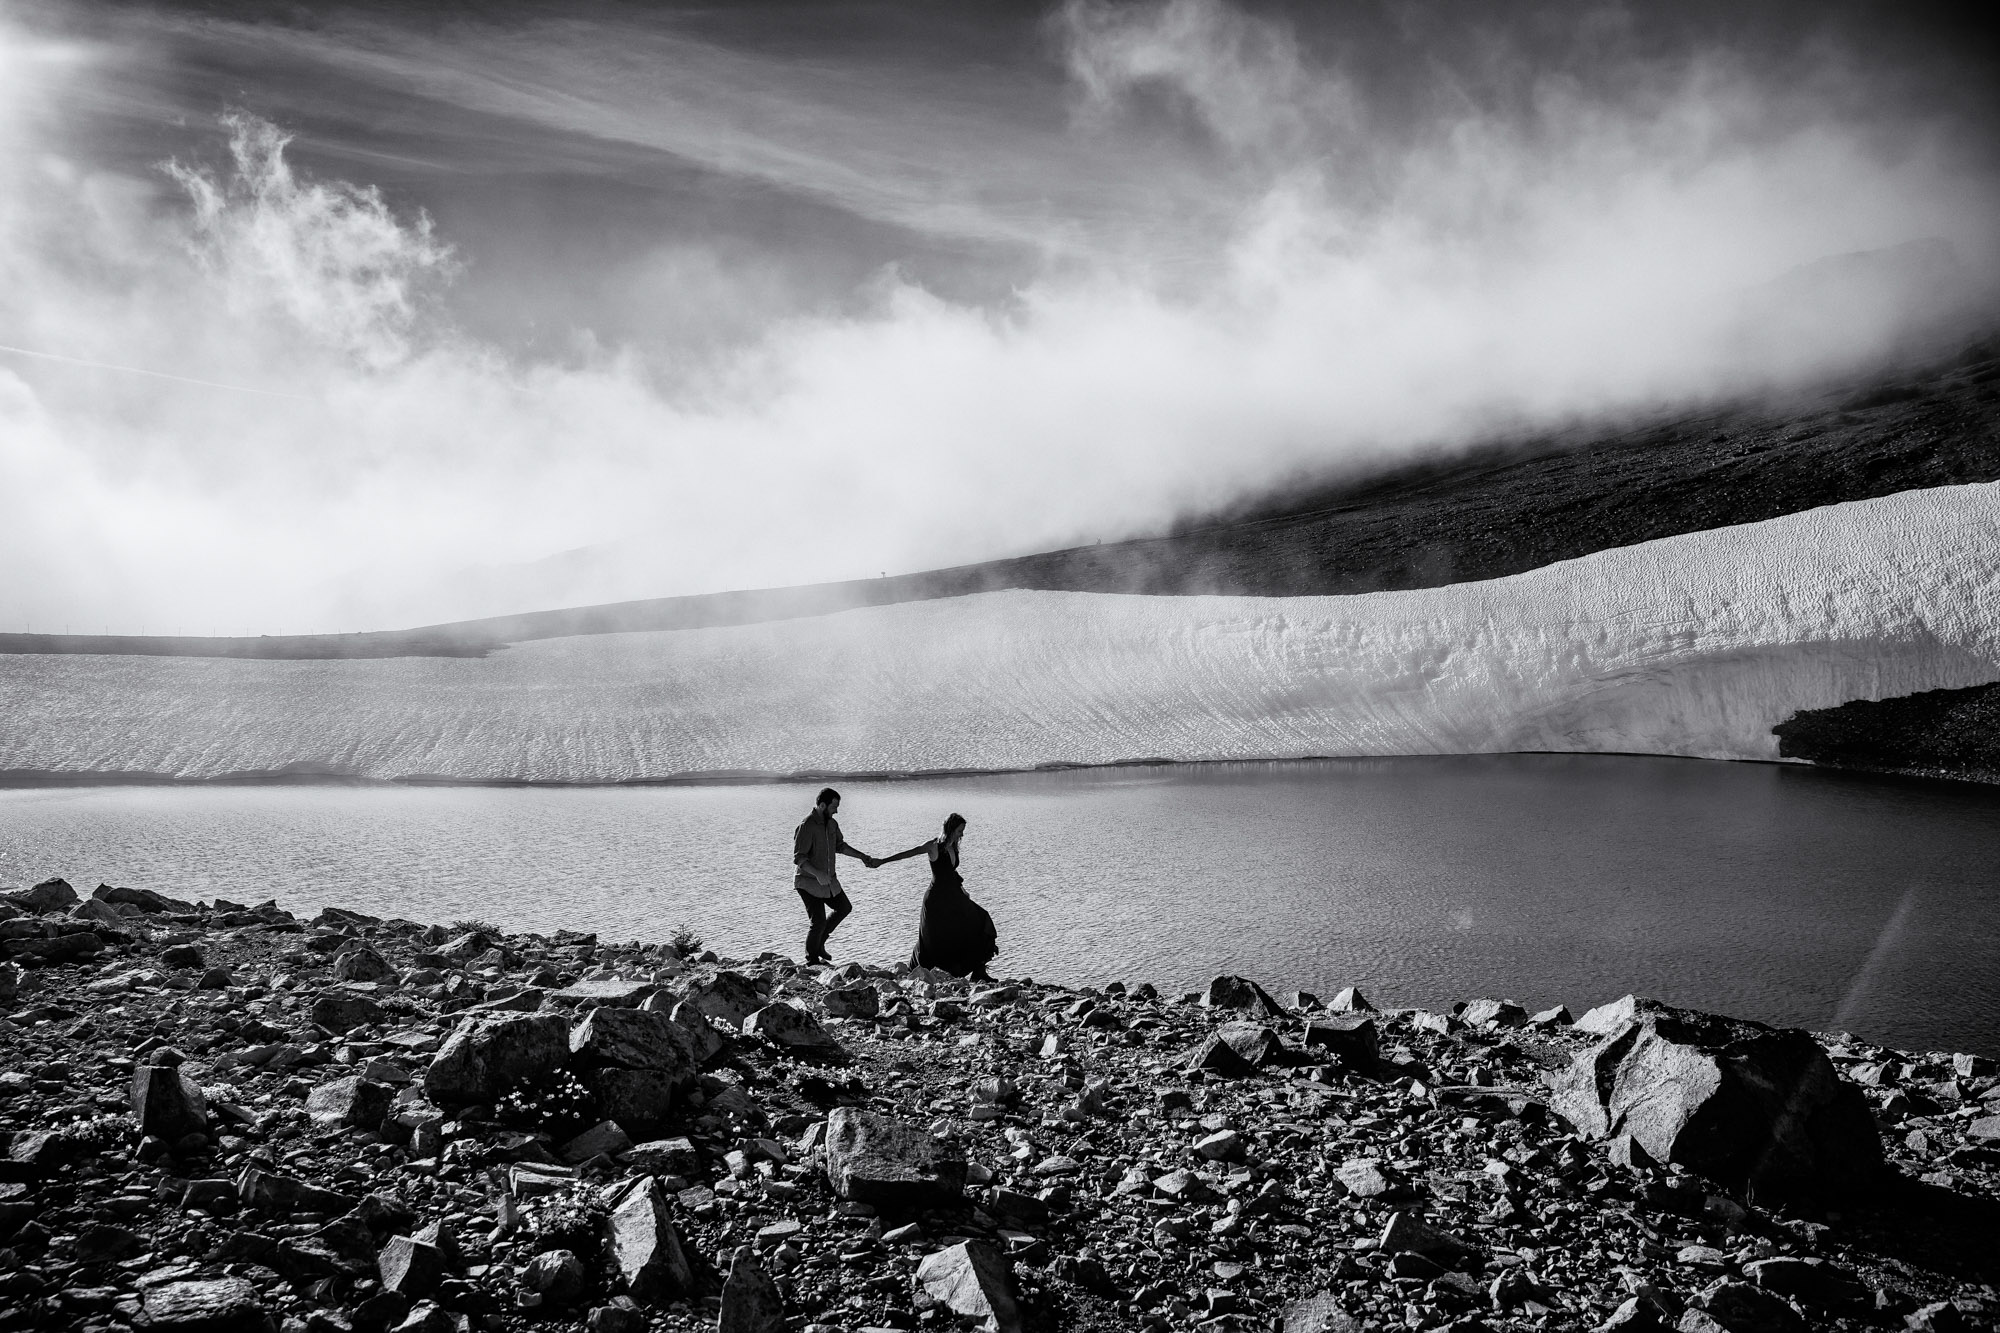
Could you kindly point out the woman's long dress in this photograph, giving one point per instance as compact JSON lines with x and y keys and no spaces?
{"x":955,"y":935}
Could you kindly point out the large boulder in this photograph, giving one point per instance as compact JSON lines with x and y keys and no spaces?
{"x":362,"y":963}
{"x":410,"y":1267}
{"x":1218,"y":1057}
{"x":340,"y":1012}
{"x":726,"y":997}
{"x":889,"y":1163}
{"x":705,"y":1041}
{"x":1257,"y":1044}
{"x":166,"y":1103}
{"x":1350,"y":1038}
{"x":143,"y":899}
{"x":1748,"y":1106}
{"x":469,"y":945}
{"x":632,"y":1039}
{"x":354,"y":1101}
{"x":1504,"y":1013}
{"x":1606,"y":1019}
{"x":1242,"y":995}
{"x":633,"y":1096}
{"x":852,"y":1002}
{"x":487,"y":1056}
{"x":51,"y":895}
{"x":793,"y":1031}
{"x":751,"y":1302}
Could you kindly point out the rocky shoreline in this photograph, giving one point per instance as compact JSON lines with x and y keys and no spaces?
{"x":220,"y":1117}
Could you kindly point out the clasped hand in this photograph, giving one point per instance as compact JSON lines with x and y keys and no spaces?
{"x":872,"y":862}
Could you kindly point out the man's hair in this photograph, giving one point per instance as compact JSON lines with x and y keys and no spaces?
{"x":826,"y":794}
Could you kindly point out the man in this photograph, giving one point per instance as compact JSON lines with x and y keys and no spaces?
{"x":818,"y":883}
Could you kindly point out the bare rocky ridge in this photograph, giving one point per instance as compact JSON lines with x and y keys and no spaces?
{"x":1935,"y":734}
{"x":219,"y":1117}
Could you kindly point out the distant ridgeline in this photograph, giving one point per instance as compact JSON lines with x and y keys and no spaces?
{"x":1499,"y":510}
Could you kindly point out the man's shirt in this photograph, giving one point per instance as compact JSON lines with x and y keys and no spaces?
{"x":815,"y":842}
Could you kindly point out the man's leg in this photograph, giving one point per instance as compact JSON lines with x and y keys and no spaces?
{"x":838,"y":908}
{"x":816,"y":914}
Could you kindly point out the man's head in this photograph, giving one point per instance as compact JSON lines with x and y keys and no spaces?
{"x":829,"y":800}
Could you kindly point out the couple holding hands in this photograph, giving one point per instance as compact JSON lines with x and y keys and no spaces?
{"x":954,"y":935}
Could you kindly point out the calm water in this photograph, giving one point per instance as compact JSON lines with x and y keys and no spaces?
{"x":1776,"y":893}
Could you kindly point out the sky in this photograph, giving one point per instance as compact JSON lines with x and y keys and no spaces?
{"x":343,"y":317}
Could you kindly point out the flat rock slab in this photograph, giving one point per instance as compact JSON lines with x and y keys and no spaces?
{"x":974,"y":1281}
{"x":614,"y":993}
{"x":889,"y":1163}
{"x":664,"y":1157}
{"x":1319,"y":1313}
{"x":281,"y":1194}
{"x":217,"y":1305}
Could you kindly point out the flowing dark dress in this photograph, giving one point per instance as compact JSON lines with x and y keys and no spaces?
{"x":955,"y":935}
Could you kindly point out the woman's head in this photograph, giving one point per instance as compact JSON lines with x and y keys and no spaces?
{"x":954,"y":824}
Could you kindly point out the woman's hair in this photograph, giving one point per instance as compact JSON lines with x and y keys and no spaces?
{"x":826,"y":794}
{"x":953,"y":823}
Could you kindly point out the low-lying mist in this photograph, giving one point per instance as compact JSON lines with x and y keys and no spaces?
{"x":238,"y":395}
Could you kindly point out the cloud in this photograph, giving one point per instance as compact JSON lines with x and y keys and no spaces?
{"x":1358,"y":282}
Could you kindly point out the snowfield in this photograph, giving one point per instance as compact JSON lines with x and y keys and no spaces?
{"x":1694,"y":645}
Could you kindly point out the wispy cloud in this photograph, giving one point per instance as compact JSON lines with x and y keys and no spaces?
{"x":1230,"y":260}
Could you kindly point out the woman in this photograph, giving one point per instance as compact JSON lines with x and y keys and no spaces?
{"x":956,"y":935}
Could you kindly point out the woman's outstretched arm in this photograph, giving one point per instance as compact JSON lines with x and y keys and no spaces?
{"x":917,"y":850}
